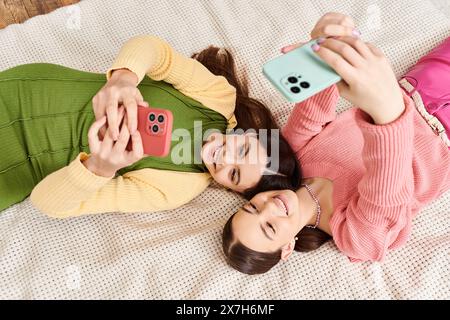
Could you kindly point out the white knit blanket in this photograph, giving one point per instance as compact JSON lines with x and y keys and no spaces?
{"x":177,"y":254}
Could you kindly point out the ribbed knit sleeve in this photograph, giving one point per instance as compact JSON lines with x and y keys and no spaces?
{"x":74,"y":190}
{"x":378,"y":217}
{"x":310,"y":116}
{"x":152,"y":56}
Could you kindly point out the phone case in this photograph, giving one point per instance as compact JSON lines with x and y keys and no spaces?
{"x":300,"y":73}
{"x":155,"y":127}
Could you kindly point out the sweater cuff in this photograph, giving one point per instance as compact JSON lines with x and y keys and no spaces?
{"x":135,"y":67}
{"x":392,"y":138}
{"x":112,"y":69}
{"x":82,"y":177}
{"x":365,"y":121}
{"x":139,"y":54}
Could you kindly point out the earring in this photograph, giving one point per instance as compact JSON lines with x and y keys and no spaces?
{"x":296,"y":238}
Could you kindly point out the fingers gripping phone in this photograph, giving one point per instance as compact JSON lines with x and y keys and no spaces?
{"x":155,"y":127}
{"x":300,"y":73}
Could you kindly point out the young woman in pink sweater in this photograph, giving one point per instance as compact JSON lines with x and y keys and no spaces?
{"x":368,"y":172}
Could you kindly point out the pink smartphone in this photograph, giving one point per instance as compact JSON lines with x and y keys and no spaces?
{"x":155,"y":127}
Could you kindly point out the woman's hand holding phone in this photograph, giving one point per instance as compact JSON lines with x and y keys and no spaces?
{"x":108,"y":156}
{"x":121,"y":88}
{"x":368,"y":79}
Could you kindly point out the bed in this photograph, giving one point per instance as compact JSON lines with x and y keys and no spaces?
{"x":177,"y":254}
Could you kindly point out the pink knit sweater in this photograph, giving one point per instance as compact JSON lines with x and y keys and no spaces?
{"x":382,"y":174}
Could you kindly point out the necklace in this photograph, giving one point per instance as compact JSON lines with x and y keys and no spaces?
{"x":318,"y":206}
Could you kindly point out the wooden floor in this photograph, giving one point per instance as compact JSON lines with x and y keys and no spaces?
{"x":17,"y":11}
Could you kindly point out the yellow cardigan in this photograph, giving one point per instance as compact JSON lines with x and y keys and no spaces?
{"x":74,"y":190}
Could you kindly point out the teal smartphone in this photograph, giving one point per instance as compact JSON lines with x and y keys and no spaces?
{"x":300,"y":73}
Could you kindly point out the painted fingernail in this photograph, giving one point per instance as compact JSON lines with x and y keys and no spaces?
{"x":315,"y":47}
{"x":285,"y":48}
{"x":356,"y":33}
{"x":320,"y":40}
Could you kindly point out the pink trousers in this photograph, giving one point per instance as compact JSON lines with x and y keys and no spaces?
{"x":428,"y":84}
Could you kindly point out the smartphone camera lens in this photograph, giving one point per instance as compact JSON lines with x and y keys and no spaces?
{"x":292,"y":79}
{"x":152,"y":117}
{"x":295,"y":89}
{"x":304,"y":84}
{"x":155,"y":128}
{"x":160,"y":118}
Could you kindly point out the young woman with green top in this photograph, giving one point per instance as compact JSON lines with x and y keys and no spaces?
{"x":51,"y":115}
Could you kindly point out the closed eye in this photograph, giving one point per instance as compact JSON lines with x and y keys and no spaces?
{"x":250,"y":208}
{"x":241,"y":151}
{"x":235,"y":176}
{"x":271,"y":227}
{"x":244,"y":150}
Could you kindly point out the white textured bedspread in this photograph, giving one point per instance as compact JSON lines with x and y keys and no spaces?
{"x":177,"y":254}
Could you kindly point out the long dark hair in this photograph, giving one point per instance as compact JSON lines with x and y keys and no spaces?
{"x":253,"y":114}
{"x":250,"y":261}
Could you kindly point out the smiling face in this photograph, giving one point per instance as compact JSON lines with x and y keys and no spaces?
{"x":236,"y":161}
{"x":269,"y":221}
